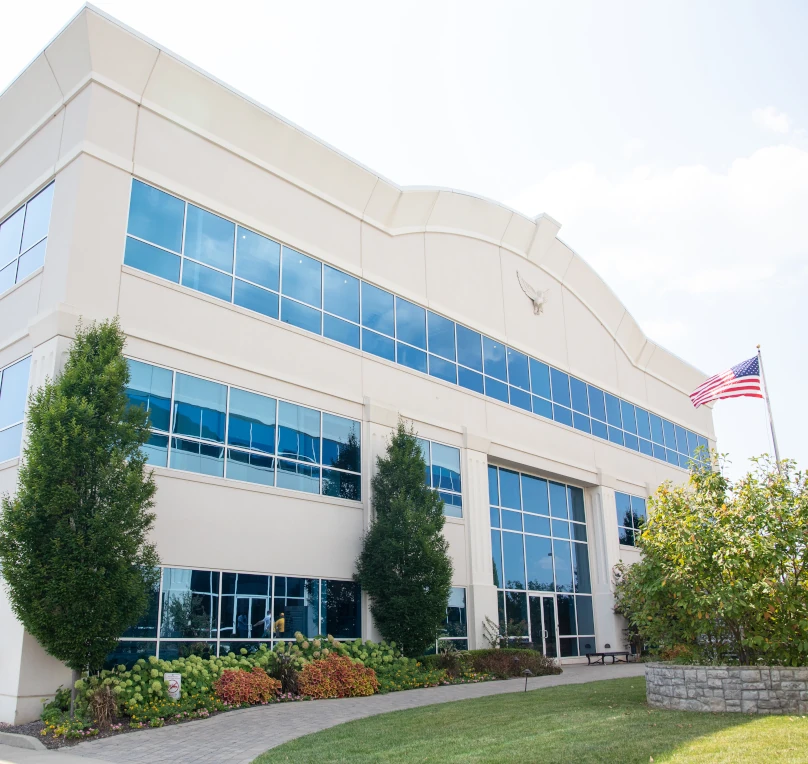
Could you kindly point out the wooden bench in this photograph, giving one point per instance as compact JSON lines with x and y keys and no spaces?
{"x":615,"y":655}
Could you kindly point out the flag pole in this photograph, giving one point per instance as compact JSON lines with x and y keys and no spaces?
{"x":769,"y":408}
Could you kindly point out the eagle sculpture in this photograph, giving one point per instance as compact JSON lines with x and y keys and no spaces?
{"x":538,"y":298}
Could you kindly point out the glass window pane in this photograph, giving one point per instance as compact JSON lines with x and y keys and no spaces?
{"x":493,"y":488}
{"x":34,"y":258}
{"x":209,"y":239}
{"x":376,"y":344}
{"x":580,"y":401}
{"x":519,"y":398}
{"x":11,"y":236}
{"x":576,"y":502}
{"x":563,"y":415}
{"x":377,"y":309}
{"x":299,"y":315}
{"x":623,"y":504}
{"x":471,"y":380}
{"x":645,"y":447}
{"x":558,"y":500}
{"x":643,"y":424}
{"x":566,"y":614}
{"x":258,"y":259}
{"x":298,"y":433}
{"x":681,"y":439}
{"x":580,"y":564}
{"x":14,"y":392}
{"x":511,"y":520}
{"x":581,"y":422}
{"x":195,"y":276}
{"x":199,"y":407}
{"x":156,"y":261}
{"x":516,"y":609}
{"x":343,"y":485}
{"x":534,"y":495}
{"x":441,"y":336}
{"x":639,"y":511}
{"x":156,"y":450}
{"x":597,"y":406}
{"x":296,"y":607}
{"x":127,"y":653}
{"x":469,"y":348}
{"x":586,"y":619}
{"x":631,"y":441}
{"x":410,"y":357}
{"x":251,"y":421}
{"x":561,"y":387}
{"x":193,"y":456}
{"x":156,"y":216}
{"x":340,"y":294}
{"x":410,"y":323}
{"x":494,"y":359}
{"x":514,"y":558}
{"x":455,"y":625}
{"x":442,"y":369}
{"x":255,"y":298}
{"x":629,"y":417}
{"x":579,"y":531}
{"x":561,"y":529}
{"x":10,"y":440}
{"x":626,"y":536}
{"x":659,"y":452}
{"x":496,"y":554}
{"x":670,"y":434}
{"x":518,"y":374}
{"x":563,"y":565}
{"x":446,"y":468}
{"x":540,"y":378}
{"x":190,"y":603}
{"x":613,"y":410}
{"x":496,"y":389}
{"x":341,"y":443}
{"x":340,"y":331}
{"x":542,"y":407}
{"x":298,"y":477}
{"x":8,"y":276}
{"x":600,"y":429}
{"x":150,"y":387}
{"x":251,"y":468}
{"x":494,"y":516}
{"x":537,"y":524}
{"x":615,"y":435}
{"x":539,"y":554}
{"x":656,"y":429}
{"x":301,"y":277}
{"x":342,"y":602}
{"x":509,"y":489}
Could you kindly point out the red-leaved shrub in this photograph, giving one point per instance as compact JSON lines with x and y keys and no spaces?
{"x":337,"y":676}
{"x":236,"y":686}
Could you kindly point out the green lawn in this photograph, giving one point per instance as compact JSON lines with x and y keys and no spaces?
{"x":598,"y":722}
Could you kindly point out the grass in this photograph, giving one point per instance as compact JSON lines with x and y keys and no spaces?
{"x":598,"y":722}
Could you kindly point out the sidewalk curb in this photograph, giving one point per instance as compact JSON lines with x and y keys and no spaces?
{"x":21,"y":741}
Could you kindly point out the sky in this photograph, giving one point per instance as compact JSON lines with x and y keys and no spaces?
{"x":669,"y":139}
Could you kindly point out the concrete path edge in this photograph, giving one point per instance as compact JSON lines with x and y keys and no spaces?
{"x":21,"y":741}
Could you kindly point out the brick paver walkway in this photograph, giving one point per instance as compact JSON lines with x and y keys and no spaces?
{"x":238,"y":737}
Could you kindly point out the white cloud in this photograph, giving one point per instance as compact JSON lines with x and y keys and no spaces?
{"x":771,"y":119}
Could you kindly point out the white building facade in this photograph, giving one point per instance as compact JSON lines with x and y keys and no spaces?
{"x":284,"y":306}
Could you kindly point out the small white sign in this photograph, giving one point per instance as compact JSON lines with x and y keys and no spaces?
{"x":174,"y":682}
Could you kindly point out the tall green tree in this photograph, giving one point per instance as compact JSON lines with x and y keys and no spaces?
{"x":724,"y":570}
{"x":73,"y":540}
{"x":404,"y":565}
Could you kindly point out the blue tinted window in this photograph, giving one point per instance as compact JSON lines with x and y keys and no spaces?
{"x":670,"y":435}
{"x":496,"y":389}
{"x":613,"y":411}
{"x":251,"y":421}
{"x":629,"y":417}
{"x":575,"y":497}
{"x":558,"y":500}
{"x":623,"y":506}
{"x":10,"y":237}
{"x":410,"y":323}
{"x":340,"y":294}
{"x":671,"y":457}
{"x":202,"y":279}
{"x":298,"y":433}
{"x":511,"y":521}
{"x":518,"y":374}
{"x":441,"y":336}
{"x":643,"y":425}
{"x":586,"y":620}
{"x":471,"y":380}
{"x":542,"y":407}
{"x":597,"y":406}
{"x":301,"y":277}
{"x":446,"y":467}
{"x":377,"y":309}
{"x":193,"y":456}
{"x":199,"y":408}
{"x":251,"y":468}
{"x":378,"y":345}
{"x":645,"y":447}
{"x":534,"y":495}
{"x":298,"y":477}
{"x":519,"y":398}
{"x":659,"y":452}
{"x":13,"y":393}
{"x":561,"y":387}
{"x":37,"y":219}
{"x":509,"y":489}
{"x":156,"y":261}
{"x":615,"y":435}
{"x":681,"y":439}
{"x":494,"y":359}
{"x":258,"y":259}
{"x":155,"y":449}
{"x":692,"y":443}
{"x":580,"y":403}
{"x":496,"y":554}
{"x":8,"y":276}
{"x":494,"y":513}
{"x":469,"y":348}
{"x":560,"y":414}
{"x":34,"y":258}
{"x":442,"y":369}
{"x":493,"y":487}
{"x":539,"y":553}
{"x":561,"y":529}
{"x":581,"y":422}
{"x":343,"y":485}
{"x":156,"y":216}
{"x":639,"y":511}
{"x":537,"y":524}
{"x":341,"y":443}
{"x":563,"y":565}
{"x":409,"y":356}
{"x":540,"y":378}
{"x":580,"y":563}
{"x":209,"y":239}
{"x":631,"y":441}
{"x":150,"y":388}
{"x":296,"y":314}
{"x":656,"y":429}
{"x":513,"y":553}
{"x":341,"y":331}
{"x":599,"y":429}
{"x":256,"y":299}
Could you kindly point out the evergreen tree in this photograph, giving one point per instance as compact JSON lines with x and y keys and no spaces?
{"x":404,"y":565}
{"x":73,"y":548}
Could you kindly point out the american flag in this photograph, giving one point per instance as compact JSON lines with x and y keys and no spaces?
{"x":736,"y":382}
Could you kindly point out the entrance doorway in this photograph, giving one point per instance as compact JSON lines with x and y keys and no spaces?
{"x":250,"y":612}
{"x":544,"y":624}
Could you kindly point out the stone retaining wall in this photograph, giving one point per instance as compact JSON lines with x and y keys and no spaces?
{"x":746,"y":689}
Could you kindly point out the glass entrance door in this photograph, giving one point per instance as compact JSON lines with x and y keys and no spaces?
{"x":543,"y":631}
{"x":250,"y":612}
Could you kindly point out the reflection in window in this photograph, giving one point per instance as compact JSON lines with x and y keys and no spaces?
{"x":13,"y":395}
{"x":190,"y":603}
{"x":443,"y":474}
{"x":632,"y":515}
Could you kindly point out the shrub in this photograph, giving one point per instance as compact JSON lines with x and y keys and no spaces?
{"x":286,"y":673}
{"x":104,"y":706}
{"x":238,"y":686}
{"x":509,"y":662}
{"x":337,"y":676}
{"x":409,"y":676}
